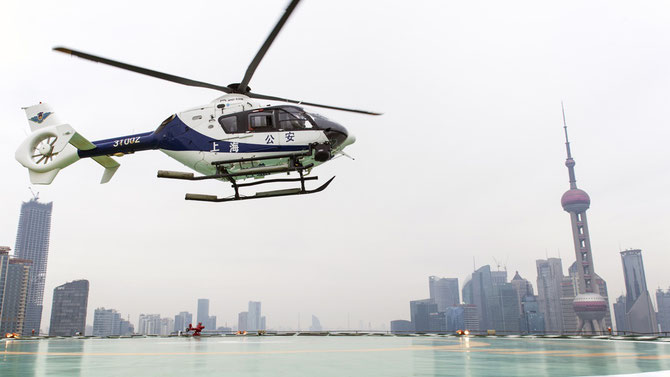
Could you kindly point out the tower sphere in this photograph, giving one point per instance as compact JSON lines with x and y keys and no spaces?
{"x":590,"y":306}
{"x":575,"y":200}
{"x":569,"y":162}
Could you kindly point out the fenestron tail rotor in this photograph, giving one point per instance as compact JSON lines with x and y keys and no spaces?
{"x":241,"y":88}
{"x":43,"y":152}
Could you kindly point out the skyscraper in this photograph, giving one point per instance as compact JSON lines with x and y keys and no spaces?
{"x":549,"y":279}
{"x":254,"y":318}
{"x":316,"y":324}
{"x":203,"y":311}
{"x":14,"y":292}
{"x":640,"y":314}
{"x":532,"y":320}
{"x":182,"y":320}
{"x":523,"y":288}
{"x":444,"y":291}
{"x":4,"y":265}
{"x":462,"y":317}
{"x":506,"y":308}
{"x":420,"y":311}
{"x":589,"y":305}
{"x":663,"y":315}
{"x":166,"y":326}
{"x":106,"y":322}
{"x":620,"y":314}
{"x":68,"y":310}
{"x":149,"y":324}
{"x":568,"y":294}
{"x":478,"y":291}
{"x":242,"y":321}
{"x":32,"y":243}
{"x":125,"y":327}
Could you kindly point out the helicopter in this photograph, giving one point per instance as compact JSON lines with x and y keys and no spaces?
{"x":231,"y":139}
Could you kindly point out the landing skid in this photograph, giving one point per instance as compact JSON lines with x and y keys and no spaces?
{"x":263,"y":194}
{"x":293,"y":165}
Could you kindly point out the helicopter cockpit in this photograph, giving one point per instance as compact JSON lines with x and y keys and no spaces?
{"x":282,"y":118}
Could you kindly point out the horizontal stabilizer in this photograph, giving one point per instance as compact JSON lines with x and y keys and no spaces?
{"x":110,"y":166}
{"x":81,"y":143}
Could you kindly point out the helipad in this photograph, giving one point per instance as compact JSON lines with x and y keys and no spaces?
{"x":331,"y":356}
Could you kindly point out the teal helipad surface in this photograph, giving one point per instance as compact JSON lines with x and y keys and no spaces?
{"x":324,"y":356}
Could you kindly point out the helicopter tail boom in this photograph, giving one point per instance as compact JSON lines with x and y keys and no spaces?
{"x":54,"y":145}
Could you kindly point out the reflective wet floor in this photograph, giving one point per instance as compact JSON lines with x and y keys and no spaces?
{"x":325,"y":356}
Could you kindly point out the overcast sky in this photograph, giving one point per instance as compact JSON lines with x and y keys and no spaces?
{"x":465,"y":165}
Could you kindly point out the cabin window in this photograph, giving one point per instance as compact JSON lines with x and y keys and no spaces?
{"x":260,"y":120}
{"x":229,"y":124}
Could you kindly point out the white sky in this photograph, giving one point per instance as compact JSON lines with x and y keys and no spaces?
{"x":466,"y":162}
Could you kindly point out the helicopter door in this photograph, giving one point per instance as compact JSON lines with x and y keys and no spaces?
{"x":266,"y":136}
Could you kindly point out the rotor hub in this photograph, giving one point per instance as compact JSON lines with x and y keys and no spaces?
{"x":45,"y":149}
{"x":236,"y":88}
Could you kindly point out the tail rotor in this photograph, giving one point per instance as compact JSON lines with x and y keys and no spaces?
{"x":53,"y":145}
{"x":44,"y":150}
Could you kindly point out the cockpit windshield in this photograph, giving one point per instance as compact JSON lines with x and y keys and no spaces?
{"x":293,"y":118}
{"x":316,"y":116}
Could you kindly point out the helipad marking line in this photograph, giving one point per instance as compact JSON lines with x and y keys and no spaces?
{"x":412,"y":348}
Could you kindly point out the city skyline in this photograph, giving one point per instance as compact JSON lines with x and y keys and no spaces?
{"x":486,"y":175}
{"x":434,"y":283}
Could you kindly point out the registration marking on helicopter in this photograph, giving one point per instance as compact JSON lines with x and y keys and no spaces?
{"x":127,"y":141}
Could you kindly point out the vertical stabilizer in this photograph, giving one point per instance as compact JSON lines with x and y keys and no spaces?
{"x":41,"y":116}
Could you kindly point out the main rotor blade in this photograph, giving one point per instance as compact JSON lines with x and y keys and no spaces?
{"x":268,"y":42}
{"x":272,"y":98}
{"x":144,"y":71}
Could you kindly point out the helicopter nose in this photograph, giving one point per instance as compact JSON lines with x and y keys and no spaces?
{"x":349,"y":140}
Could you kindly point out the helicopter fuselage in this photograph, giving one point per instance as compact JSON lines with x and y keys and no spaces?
{"x":233,"y":127}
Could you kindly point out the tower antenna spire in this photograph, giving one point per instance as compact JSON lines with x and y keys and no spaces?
{"x":565,"y":129}
{"x":569,"y":162}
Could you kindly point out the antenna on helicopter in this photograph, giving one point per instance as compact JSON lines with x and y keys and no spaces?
{"x":36,"y":196}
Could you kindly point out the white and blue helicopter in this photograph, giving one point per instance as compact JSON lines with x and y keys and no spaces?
{"x":232,"y":138}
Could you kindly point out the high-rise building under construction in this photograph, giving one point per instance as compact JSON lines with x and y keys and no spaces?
{"x":32,"y":243}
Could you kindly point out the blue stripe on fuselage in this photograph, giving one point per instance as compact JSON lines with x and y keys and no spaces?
{"x":123,"y":144}
{"x":177,"y":136}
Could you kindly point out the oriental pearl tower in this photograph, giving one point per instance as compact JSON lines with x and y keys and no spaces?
{"x":589,"y":305}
